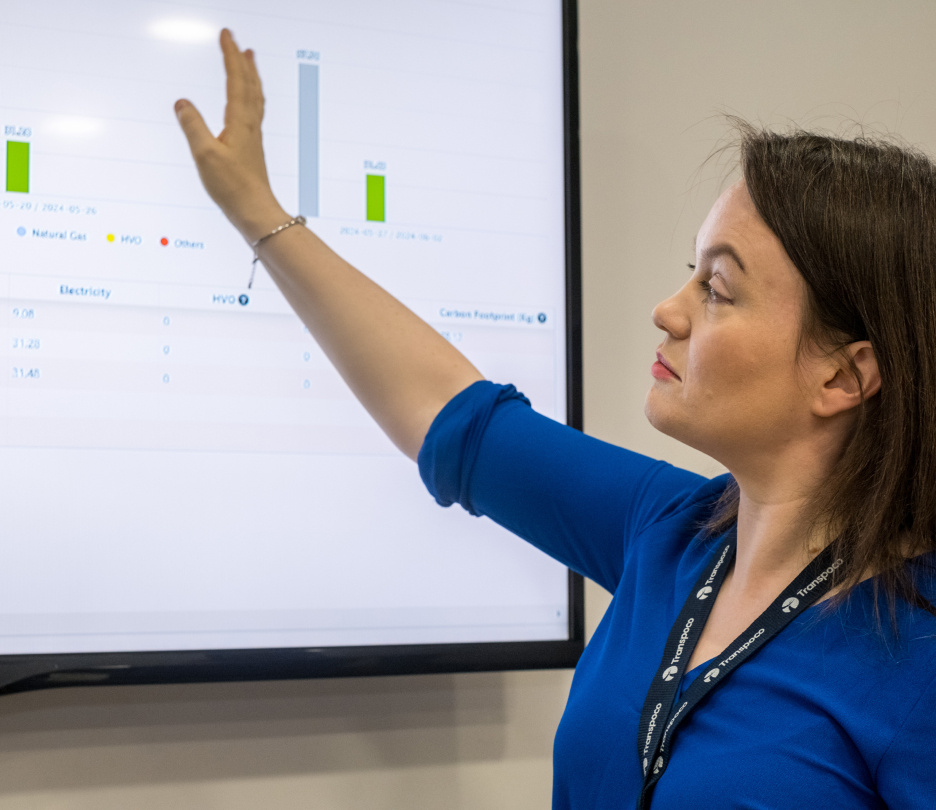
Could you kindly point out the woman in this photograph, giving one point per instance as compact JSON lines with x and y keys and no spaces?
{"x":800,"y":354}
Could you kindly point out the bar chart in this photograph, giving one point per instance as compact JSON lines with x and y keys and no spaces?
{"x":375,"y":193}
{"x":376,"y":198}
{"x":17,"y":166}
{"x":308,"y":139}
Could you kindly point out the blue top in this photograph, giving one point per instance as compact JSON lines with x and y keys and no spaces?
{"x":831,"y":713}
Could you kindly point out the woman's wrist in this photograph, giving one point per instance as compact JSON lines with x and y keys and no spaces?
{"x":259,"y":220}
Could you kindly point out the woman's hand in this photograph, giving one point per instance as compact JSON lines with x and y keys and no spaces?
{"x":232,"y":166}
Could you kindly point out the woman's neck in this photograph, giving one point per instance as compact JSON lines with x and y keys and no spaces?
{"x":775,"y":543}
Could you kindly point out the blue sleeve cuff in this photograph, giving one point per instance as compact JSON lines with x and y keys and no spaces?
{"x":448,"y":453}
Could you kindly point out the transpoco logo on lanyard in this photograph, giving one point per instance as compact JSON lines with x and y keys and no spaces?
{"x":662,"y":713}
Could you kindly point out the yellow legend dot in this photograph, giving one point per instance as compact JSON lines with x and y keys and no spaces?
{"x":110,"y":237}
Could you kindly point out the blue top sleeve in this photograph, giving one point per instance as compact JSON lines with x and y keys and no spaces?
{"x":578,"y":499}
{"x":905,"y":776}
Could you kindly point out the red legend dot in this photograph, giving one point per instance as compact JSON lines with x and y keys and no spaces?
{"x":164,"y":241}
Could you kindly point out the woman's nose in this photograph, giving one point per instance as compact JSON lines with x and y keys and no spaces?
{"x":670,"y":316}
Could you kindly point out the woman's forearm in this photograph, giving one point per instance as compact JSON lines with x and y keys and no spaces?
{"x":400,"y":368}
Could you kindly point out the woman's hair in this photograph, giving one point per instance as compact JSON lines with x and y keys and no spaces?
{"x":858,"y":219}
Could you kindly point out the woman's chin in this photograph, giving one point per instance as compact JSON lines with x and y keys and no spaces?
{"x":656,"y":413}
{"x":670,"y":424}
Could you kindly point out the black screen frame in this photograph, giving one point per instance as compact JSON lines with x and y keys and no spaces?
{"x":20,"y":673}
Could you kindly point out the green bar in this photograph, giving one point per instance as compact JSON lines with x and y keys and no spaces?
{"x":376,"y":187}
{"x":17,"y":166}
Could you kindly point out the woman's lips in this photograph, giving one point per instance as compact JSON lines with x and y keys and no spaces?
{"x":662,"y":370}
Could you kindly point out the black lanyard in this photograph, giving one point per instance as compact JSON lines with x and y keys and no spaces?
{"x":661,"y":713}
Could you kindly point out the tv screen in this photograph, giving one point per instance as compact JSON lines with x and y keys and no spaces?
{"x":189,"y":490}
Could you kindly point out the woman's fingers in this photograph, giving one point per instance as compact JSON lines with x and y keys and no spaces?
{"x":242,"y":89}
{"x":196,"y":131}
{"x":253,"y":78}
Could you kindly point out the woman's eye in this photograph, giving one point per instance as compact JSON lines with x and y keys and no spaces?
{"x":711,"y":296}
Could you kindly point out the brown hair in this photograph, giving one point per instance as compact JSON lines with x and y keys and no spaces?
{"x":858,"y":219}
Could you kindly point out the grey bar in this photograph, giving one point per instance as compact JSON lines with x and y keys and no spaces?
{"x":308,"y":140}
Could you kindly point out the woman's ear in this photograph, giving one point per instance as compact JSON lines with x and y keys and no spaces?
{"x":840,"y":390}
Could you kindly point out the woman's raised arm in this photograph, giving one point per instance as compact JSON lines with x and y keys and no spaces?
{"x":399,"y":367}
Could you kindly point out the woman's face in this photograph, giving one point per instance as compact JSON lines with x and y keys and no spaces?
{"x":733,"y":389}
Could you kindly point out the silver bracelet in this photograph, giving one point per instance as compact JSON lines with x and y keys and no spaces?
{"x":300,"y":220}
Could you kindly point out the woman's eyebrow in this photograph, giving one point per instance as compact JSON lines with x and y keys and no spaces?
{"x":712,"y":252}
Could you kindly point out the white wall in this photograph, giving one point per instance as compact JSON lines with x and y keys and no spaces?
{"x":653,"y":76}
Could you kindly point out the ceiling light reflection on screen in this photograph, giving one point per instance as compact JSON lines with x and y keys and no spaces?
{"x":74,"y":126}
{"x":188,"y":32}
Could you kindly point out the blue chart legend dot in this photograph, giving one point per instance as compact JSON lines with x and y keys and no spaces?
{"x":21,"y":231}
{"x":244,"y":300}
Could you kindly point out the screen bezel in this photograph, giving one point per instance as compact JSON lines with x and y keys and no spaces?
{"x":19,"y":673}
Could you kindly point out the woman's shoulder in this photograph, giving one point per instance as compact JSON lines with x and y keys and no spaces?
{"x":881,"y":635}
